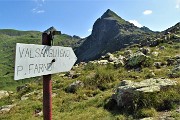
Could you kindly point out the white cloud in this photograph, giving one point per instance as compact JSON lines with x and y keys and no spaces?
{"x":39,"y":6}
{"x":136,"y":23}
{"x":177,"y":4}
{"x":40,"y":11}
{"x":147,"y":12}
{"x":90,"y":29}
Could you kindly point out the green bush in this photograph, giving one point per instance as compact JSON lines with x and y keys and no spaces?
{"x":146,"y":112}
{"x":101,"y":79}
{"x":90,"y":66}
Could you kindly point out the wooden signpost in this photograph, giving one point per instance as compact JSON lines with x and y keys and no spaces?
{"x":37,"y":60}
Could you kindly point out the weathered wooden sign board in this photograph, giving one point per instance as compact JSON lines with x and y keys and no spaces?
{"x":36,"y":60}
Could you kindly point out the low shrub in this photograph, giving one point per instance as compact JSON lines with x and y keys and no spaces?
{"x":146,"y":112}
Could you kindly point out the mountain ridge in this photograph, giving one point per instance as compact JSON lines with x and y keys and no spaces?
{"x":110,"y":33}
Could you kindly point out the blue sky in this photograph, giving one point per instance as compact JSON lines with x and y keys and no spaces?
{"x":76,"y":17}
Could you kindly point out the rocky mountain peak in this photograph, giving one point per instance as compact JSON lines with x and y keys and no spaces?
{"x":109,"y":13}
{"x":110,"y":33}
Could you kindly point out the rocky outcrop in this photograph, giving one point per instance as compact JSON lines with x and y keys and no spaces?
{"x":126,"y":90}
{"x":110,"y":33}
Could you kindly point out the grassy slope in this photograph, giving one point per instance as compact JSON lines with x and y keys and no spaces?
{"x":88,"y":102}
{"x":8,"y":40}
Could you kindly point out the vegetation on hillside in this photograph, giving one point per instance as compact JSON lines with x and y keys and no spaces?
{"x":91,"y":101}
{"x":8,"y":40}
{"x":86,"y":91}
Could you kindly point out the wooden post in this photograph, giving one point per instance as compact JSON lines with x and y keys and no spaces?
{"x":47,"y":86}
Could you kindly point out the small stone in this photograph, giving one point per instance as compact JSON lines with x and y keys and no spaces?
{"x":3,"y":94}
{"x":38,"y":112}
{"x":128,"y":53}
{"x":23,"y":87}
{"x":145,"y":51}
{"x":102,"y":62}
{"x":74,"y":86}
{"x":161,"y":48}
{"x":6,"y":108}
{"x":155,"y":54}
{"x":157,"y":64}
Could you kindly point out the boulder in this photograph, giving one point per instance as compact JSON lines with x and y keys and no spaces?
{"x":155,"y":54}
{"x":110,"y":57}
{"x":102,"y":62}
{"x":107,"y":55}
{"x":174,"y":60}
{"x":170,"y":61}
{"x":161,"y":48}
{"x":3,"y":94}
{"x":120,"y":57}
{"x":23,"y":87}
{"x":128,"y":53}
{"x":72,"y":88}
{"x":175,"y":72}
{"x":145,"y":51}
{"x":6,"y":108}
{"x":38,"y":112}
{"x":127,"y":89}
{"x":147,"y":118}
{"x":26,"y":96}
{"x":118,"y":63}
{"x":136,"y":59}
{"x":157,"y":64}
{"x":72,"y":74}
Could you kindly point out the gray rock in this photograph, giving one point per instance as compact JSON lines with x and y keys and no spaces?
{"x":23,"y":87}
{"x":107,"y":55}
{"x":110,"y":57}
{"x":6,"y":108}
{"x":161,"y":48}
{"x":145,"y":51}
{"x":157,"y":64}
{"x":128,"y":53}
{"x":72,"y":74}
{"x":102,"y":62}
{"x":147,"y":118}
{"x":118,"y":63}
{"x":175,"y":72}
{"x":170,"y":61}
{"x":120,"y":57}
{"x":3,"y":94}
{"x":26,"y":96}
{"x":136,"y":59}
{"x":72,"y":88}
{"x":155,"y":54}
{"x":38,"y":112}
{"x":126,"y":89}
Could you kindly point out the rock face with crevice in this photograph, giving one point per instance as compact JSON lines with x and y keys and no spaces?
{"x":110,"y":33}
{"x":127,"y":89}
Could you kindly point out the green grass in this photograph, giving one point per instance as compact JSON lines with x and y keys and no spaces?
{"x":90,"y":101}
{"x":8,"y":40}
